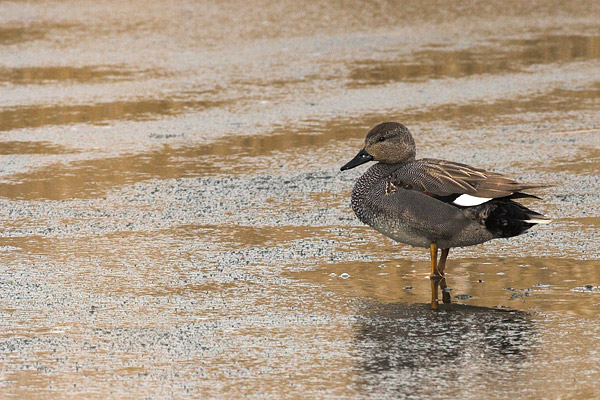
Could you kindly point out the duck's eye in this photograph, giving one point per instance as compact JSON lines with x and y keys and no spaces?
{"x":382,"y":139}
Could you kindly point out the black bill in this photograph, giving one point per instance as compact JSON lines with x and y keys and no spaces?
{"x":361,"y":158}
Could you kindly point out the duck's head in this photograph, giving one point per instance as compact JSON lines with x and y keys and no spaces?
{"x":388,"y":143}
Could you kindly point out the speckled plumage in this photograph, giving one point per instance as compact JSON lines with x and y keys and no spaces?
{"x":412,"y":217}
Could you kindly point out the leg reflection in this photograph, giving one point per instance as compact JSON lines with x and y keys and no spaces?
{"x":435,"y":284}
{"x":445,"y":291}
{"x":442,"y":269}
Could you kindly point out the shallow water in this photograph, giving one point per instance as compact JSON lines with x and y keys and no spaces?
{"x":174,"y":222}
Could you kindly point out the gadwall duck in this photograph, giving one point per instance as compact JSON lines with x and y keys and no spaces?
{"x":434,"y":203}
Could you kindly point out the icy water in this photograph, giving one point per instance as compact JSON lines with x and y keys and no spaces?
{"x":175,"y":224}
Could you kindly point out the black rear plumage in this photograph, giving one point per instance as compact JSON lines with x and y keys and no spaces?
{"x":505,"y":218}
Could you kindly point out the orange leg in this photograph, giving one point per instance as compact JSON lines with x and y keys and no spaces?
{"x":433,"y":249}
{"x":435,"y":276}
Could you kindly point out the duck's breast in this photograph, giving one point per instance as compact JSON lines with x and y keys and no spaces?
{"x":411,"y":217}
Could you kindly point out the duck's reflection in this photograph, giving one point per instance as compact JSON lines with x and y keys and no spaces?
{"x":410,"y":350}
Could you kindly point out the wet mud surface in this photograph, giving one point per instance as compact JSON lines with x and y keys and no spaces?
{"x":175,"y":225}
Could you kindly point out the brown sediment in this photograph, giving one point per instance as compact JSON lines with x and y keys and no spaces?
{"x":585,"y":161}
{"x":21,"y":117}
{"x":576,"y":224}
{"x":554,"y":103}
{"x":19,"y":34}
{"x":70,"y":74}
{"x":502,"y":57}
{"x":30,"y":147}
{"x":217,"y":237}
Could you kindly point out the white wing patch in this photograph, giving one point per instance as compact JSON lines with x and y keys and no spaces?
{"x":466,"y":200}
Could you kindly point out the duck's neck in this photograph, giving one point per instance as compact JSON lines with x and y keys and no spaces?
{"x":375,"y":174}
{"x":366,"y":186}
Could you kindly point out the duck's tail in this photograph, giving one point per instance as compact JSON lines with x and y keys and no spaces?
{"x":508,"y":218}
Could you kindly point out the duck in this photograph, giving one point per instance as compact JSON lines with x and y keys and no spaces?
{"x":433,"y":203}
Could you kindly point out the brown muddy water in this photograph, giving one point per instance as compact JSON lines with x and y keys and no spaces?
{"x":175,"y":225}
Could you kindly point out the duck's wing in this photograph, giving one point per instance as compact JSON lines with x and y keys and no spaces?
{"x":456,"y":183}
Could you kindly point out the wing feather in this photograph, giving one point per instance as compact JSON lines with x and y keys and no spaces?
{"x":441,"y":178}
